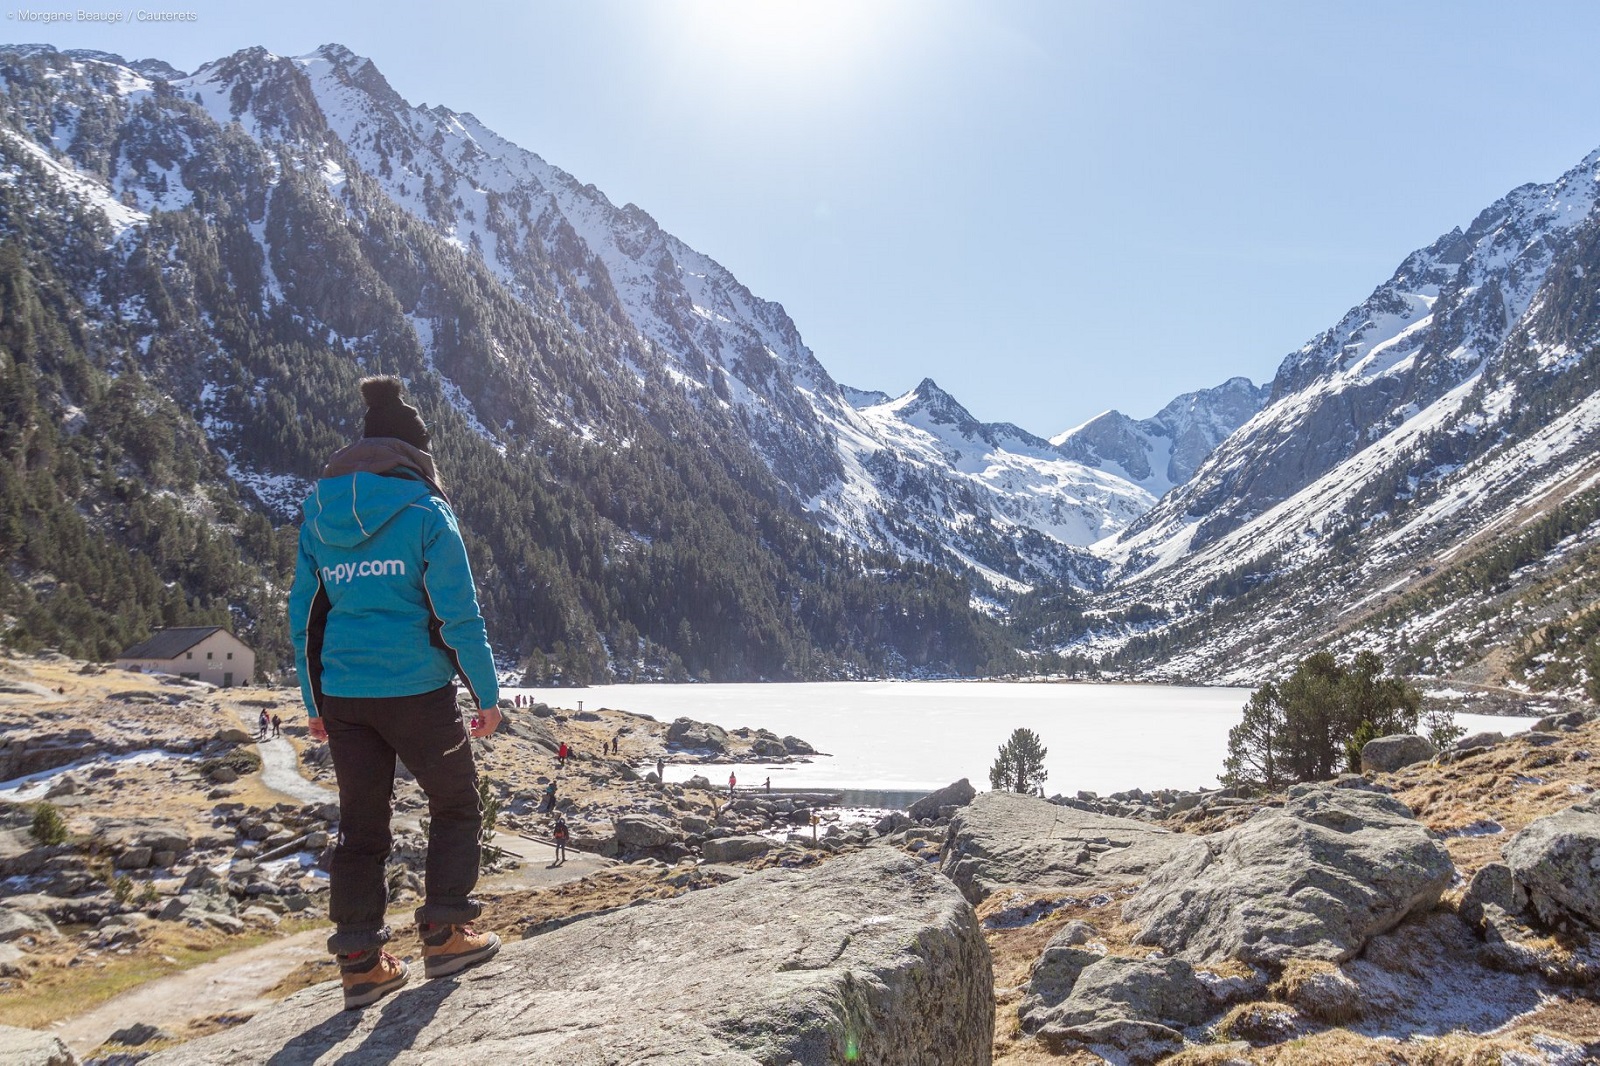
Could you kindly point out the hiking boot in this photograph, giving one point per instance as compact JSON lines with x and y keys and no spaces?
{"x":370,"y":975}
{"x":448,"y":949}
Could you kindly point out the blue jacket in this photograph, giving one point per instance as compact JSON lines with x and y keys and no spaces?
{"x":383,"y":602}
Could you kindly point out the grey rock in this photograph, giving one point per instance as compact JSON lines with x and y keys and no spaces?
{"x":687,"y":734}
{"x":1005,"y":839}
{"x":768,"y":748}
{"x":137,"y":858}
{"x":67,"y":785}
{"x":1165,"y":991}
{"x":1553,"y":723}
{"x":1133,"y":1042}
{"x":644,"y":831}
{"x":892,"y":822}
{"x":958,"y":794}
{"x":234,"y":735}
{"x":869,"y":958}
{"x":138,"y":1033}
{"x":1486,"y":739}
{"x":28,"y":1047}
{"x":796,"y":746}
{"x":1051,"y":980}
{"x":1495,"y":885}
{"x":15,"y":924}
{"x":13,"y":962}
{"x":1315,"y":879}
{"x":1557,"y":859}
{"x":736,"y":849}
{"x":1385,"y":755}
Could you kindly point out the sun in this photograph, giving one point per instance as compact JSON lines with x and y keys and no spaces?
{"x":778,"y":46}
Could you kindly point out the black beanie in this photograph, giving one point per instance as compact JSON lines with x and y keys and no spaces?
{"x":390,"y":416}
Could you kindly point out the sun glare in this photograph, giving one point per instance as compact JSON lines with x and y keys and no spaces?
{"x":777,"y":46}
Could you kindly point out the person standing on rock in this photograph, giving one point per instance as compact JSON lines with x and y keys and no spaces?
{"x":384,"y":616}
{"x":548,"y":804}
{"x":261,"y":725}
{"x":733,"y":783}
{"x":561,"y":755}
{"x":661,"y":770}
{"x":559,"y":834}
{"x":277,"y":726}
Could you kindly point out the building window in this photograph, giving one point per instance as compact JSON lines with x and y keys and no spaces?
{"x":230,"y":655}
{"x":208,"y":655}
{"x":188,"y":655}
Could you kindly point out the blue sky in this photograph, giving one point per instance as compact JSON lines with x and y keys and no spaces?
{"x":1050,"y":207}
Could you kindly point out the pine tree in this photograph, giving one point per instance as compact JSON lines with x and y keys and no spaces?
{"x":1019,"y":766}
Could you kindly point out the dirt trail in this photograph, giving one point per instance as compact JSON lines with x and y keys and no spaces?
{"x":234,"y":984}
{"x":280,"y":768}
{"x":237,"y":983}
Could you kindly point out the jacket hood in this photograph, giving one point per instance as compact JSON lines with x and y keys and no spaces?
{"x":379,"y":455}
{"x":346,"y":511}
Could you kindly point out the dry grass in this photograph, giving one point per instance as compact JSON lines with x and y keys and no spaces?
{"x":70,"y":980}
{"x":1258,"y":1023}
{"x":1513,"y":784}
{"x":1319,"y":990}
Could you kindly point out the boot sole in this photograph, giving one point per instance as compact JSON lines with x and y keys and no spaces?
{"x":444,"y":967}
{"x":366,"y":997}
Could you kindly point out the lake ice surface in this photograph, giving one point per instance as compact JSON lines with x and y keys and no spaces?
{"x":921,"y":735}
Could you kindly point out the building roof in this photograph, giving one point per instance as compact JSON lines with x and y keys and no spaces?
{"x":169,"y":643}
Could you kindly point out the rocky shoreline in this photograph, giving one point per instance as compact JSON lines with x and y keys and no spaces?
{"x":1438,"y":907}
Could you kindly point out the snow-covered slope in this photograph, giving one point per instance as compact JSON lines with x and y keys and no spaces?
{"x":1453,"y":405}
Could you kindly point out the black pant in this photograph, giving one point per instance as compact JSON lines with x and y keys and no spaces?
{"x":426,"y":732}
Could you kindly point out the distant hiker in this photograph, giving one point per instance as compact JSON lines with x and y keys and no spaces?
{"x":559,"y":834}
{"x":561,"y":755}
{"x":277,"y":726}
{"x":548,"y":804}
{"x":661,"y":769}
{"x":261,"y":725}
{"x":378,"y":652}
{"x":615,"y":740}
{"x":768,"y":785}
{"x":732,"y":783}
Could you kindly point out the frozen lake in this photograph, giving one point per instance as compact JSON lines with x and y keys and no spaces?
{"x":917,"y":736}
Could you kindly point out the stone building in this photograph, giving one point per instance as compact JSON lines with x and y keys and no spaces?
{"x":203,"y":653}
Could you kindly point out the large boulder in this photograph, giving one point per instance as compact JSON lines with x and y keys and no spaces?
{"x":1316,"y":879}
{"x":1385,"y":755}
{"x":736,"y":849}
{"x":156,"y":834}
{"x":689,"y":735}
{"x":957,"y":795}
{"x":645,"y":831}
{"x":1005,"y":839}
{"x":1557,"y":860}
{"x":796,"y":746}
{"x":870,"y":958}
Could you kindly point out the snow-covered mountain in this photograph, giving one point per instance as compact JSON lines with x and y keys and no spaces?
{"x":917,"y":475}
{"x":1164,"y":451}
{"x":267,"y":227}
{"x":1449,"y":411}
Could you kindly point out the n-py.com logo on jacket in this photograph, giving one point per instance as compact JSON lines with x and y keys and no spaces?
{"x":338,"y":575}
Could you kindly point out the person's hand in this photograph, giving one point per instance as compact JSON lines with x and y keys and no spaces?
{"x":488,"y":721}
{"x":317,"y":728}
